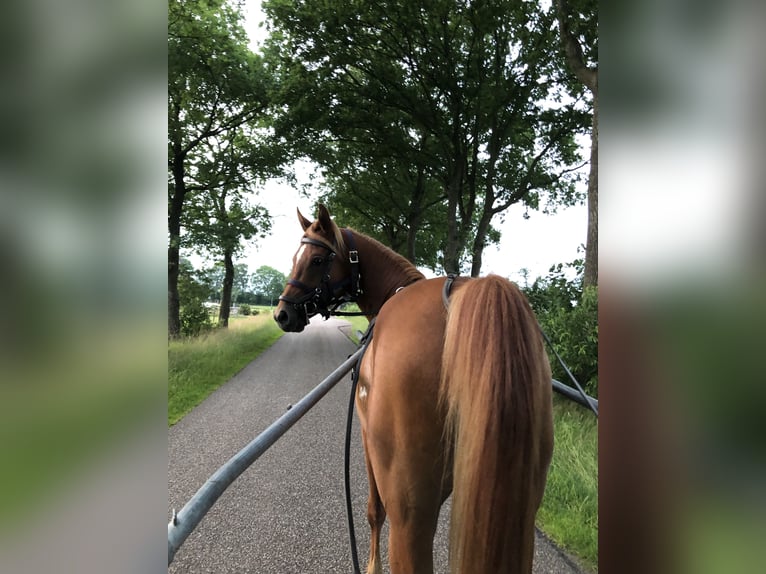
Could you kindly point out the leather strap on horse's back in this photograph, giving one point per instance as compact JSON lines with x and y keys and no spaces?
{"x":447,"y":289}
{"x":353,"y":260}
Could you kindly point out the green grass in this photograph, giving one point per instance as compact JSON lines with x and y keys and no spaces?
{"x":569,"y":512}
{"x":198,"y":366}
{"x":357,"y":323}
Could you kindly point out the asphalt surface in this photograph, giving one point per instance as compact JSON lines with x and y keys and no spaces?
{"x":286,"y":513}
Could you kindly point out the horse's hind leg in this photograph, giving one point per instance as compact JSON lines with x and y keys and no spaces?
{"x":376,"y":515}
{"x":410,"y":542}
{"x":412,"y":495}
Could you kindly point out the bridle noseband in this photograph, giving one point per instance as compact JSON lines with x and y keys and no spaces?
{"x":321,"y":299}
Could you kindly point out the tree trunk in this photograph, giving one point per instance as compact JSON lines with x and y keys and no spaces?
{"x":174,"y":231}
{"x":174,"y":303}
{"x":589,"y":78}
{"x":228,"y":283}
{"x":452,"y":248}
{"x":412,"y":240}
{"x":415,"y":215}
{"x":590,"y":274}
{"x":487,"y":210}
{"x":479,"y":241}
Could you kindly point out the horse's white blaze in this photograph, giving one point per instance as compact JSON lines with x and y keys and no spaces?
{"x":300,"y":253}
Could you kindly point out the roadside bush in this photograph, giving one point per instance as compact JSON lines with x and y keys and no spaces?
{"x":569,"y":316}
{"x":194,"y":318}
{"x":245,"y":309}
{"x":192,"y":292}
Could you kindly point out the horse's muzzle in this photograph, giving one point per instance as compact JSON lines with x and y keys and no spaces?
{"x":289,"y":320}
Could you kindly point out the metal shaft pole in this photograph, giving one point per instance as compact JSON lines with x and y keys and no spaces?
{"x":572,"y":394}
{"x":183,"y":523}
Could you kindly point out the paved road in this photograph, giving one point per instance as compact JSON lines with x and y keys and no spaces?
{"x":285,"y":514}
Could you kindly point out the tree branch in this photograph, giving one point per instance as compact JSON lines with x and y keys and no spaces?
{"x":573,"y":51}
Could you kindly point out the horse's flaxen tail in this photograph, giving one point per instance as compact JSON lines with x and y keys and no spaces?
{"x":496,"y":385}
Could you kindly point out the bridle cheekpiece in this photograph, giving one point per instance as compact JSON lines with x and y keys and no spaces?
{"x":322,"y":299}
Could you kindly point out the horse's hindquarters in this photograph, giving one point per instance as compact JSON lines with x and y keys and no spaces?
{"x":403,"y":423}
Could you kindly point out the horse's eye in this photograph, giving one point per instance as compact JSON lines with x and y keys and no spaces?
{"x":317,"y":261}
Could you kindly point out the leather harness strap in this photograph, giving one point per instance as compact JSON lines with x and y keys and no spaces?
{"x":447,"y":289}
{"x":353,"y":260}
{"x":322,"y":299}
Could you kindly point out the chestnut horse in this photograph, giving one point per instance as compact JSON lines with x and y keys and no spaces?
{"x":450,"y":400}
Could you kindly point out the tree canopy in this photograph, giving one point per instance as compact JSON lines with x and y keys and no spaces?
{"x":442,"y":113}
{"x":268,"y":282}
{"x":219,"y":144}
{"x":428,"y":120}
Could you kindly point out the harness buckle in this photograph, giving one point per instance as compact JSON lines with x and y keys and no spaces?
{"x":353,"y":256}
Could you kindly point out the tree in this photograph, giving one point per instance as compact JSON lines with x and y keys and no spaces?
{"x":217,"y":93}
{"x":370,"y":154}
{"x":423,"y":104}
{"x":403,"y":210}
{"x":219,"y":218}
{"x":268,"y":282}
{"x":215,"y":274}
{"x":578,"y":28}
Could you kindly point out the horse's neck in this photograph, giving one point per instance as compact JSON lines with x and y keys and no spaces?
{"x":383,"y":272}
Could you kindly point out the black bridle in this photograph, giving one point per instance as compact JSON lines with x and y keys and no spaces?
{"x":322,"y":299}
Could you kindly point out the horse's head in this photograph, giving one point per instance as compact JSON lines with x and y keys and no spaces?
{"x":321,"y":277}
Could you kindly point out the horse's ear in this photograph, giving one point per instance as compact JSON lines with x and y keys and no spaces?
{"x":304,"y":222}
{"x":325,"y":222}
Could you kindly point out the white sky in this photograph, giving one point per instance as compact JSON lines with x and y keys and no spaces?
{"x":536,"y":243}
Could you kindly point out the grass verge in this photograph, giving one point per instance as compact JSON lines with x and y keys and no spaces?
{"x":569,"y":512}
{"x":358,"y":323}
{"x":198,"y":366}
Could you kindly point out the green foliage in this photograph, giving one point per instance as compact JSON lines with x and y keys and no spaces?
{"x":401,"y":210}
{"x":193,"y":291}
{"x":194,"y":319}
{"x":429,"y":118}
{"x":217,"y":221}
{"x":268,"y":283}
{"x":569,"y":316}
{"x":219,"y":142}
{"x":569,"y":511}
{"x":245,"y":309}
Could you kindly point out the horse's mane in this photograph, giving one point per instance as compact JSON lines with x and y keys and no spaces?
{"x":400,"y":268}
{"x":389,"y":257}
